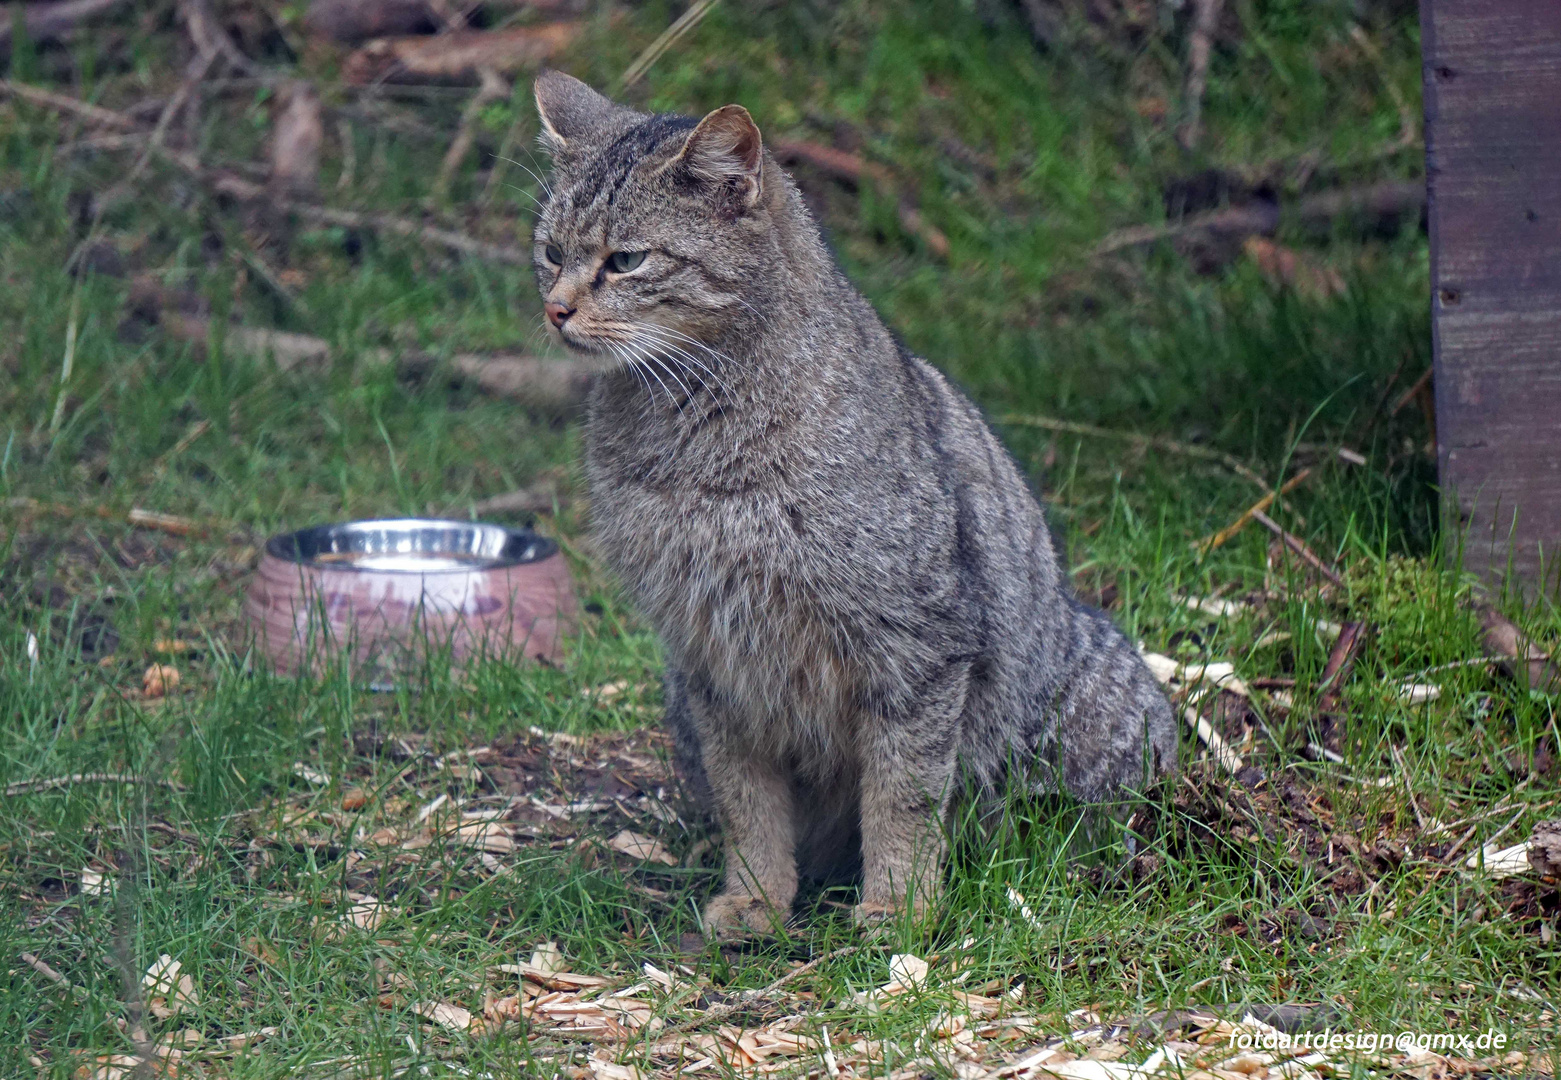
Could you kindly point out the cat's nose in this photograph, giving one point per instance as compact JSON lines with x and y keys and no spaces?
{"x":556,"y":312}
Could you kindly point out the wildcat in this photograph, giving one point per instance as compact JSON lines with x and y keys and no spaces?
{"x":859,"y":600}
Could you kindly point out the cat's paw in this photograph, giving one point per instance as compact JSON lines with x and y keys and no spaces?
{"x":872,"y":917}
{"x":736,"y":915}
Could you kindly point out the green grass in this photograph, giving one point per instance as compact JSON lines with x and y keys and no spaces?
{"x":1025,"y":159}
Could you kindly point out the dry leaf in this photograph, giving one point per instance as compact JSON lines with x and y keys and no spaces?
{"x":491,"y":836}
{"x":159,"y":679}
{"x":907,"y":971}
{"x":445,"y":1014}
{"x":310,"y":775}
{"x":367,"y":913}
{"x":642,"y":847}
{"x":548,"y":959}
{"x":354,"y":799}
{"x":168,"y":989}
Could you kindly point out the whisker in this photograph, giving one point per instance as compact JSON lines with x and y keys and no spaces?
{"x":628,"y":362}
{"x":683,"y":356}
{"x":652,"y":373}
{"x":541,"y":183}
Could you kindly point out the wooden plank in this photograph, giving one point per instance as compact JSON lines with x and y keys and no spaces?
{"x":1493,"y":165}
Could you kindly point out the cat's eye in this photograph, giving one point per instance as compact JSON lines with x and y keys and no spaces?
{"x":621,"y":262}
{"x":555,"y":254}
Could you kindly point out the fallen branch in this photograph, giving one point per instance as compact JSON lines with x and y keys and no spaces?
{"x":28,"y":787}
{"x":1200,"y":43}
{"x":853,"y":169}
{"x":1209,"y":543}
{"x":47,"y":99}
{"x":236,"y":187}
{"x":352,"y":22}
{"x":1298,"y":546}
{"x":1072,"y":427}
{"x":46,"y":971}
{"x":491,"y":89}
{"x":50,"y":22}
{"x":1316,"y":213}
{"x":457,"y":57}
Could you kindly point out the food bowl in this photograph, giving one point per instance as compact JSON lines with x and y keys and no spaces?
{"x":387,"y":595}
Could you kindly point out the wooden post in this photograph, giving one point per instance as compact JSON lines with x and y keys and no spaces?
{"x":1493,"y":167}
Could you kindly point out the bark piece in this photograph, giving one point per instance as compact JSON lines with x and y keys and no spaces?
{"x":296,"y":137}
{"x":1544,"y":853}
{"x":1525,"y":661}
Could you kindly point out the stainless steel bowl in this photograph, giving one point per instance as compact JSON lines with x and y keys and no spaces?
{"x":385,"y":594}
{"x":411,"y":546}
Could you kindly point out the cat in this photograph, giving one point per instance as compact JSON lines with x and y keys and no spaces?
{"x":859,"y":600}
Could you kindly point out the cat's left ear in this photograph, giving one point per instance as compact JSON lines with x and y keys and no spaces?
{"x":725,"y":150}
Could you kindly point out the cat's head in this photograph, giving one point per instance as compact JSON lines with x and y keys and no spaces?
{"x":658,"y":229}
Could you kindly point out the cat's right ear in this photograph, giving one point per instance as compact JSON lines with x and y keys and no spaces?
{"x":573,"y":114}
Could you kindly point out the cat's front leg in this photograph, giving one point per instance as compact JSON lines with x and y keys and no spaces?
{"x":908,"y":772}
{"x":753,"y":800}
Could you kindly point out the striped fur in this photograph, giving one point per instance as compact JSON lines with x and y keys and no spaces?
{"x":858,"y":597}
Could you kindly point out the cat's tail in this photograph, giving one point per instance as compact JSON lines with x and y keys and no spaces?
{"x":1114,"y":730}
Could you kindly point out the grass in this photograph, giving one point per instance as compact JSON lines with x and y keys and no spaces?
{"x":1025,"y":158}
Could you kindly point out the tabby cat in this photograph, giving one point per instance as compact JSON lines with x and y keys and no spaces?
{"x":859,"y":601}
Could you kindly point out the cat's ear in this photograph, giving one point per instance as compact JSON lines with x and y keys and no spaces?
{"x":725,"y":150}
{"x":573,"y":114}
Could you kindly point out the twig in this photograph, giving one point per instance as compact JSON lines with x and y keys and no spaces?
{"x":1209,"y":543}
{"x":1389,"y":198}
{"x":1297,"y":545}
{"x":28,"y":787}
{"x":717,"y":1013}
{"x":168,"y":523}
{"x":1352,"y":635}
{"x":1072,"y":427}
{"x":1200,"y":42}
{"x":1237,"y":221}
{"x":1478,"y":661}
{"x":539,"y":499}
{"x":46,"y":971}
{"x":1408,"y":133}
{"x":491,"y":88}
{"x":853,"y":168}
{"x":236,"y":187}
{"x":1420,"y":386}
{"x":199,"y":428}
{"x":1409,"y":791}
{"x":211,"y":39}
{"x":47,"y":99}
{"x":1218,"y":747}
{"x":192,"y":80}
{"x":664,"y":41}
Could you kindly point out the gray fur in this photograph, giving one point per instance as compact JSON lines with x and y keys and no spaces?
{"x":859,"y":601}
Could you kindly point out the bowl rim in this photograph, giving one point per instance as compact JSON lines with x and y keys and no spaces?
{"x":533,"y":546}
